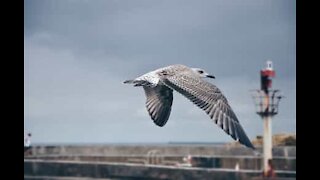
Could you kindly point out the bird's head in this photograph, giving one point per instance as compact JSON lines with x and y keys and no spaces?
{"x":202,"y":73}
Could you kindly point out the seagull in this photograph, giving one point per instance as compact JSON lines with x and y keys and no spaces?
{"x":159,"y":85}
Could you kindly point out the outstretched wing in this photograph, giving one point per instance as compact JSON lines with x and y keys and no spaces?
{"x":158,"y":103}
{"x":209,"y":98}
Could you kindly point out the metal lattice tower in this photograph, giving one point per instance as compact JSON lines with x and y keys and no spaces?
{"x":260,"y":98}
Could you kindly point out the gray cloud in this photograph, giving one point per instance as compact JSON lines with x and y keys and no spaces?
{"x":77,"y":53}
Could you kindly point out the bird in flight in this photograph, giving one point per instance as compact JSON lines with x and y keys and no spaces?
{"x":159,"y":84}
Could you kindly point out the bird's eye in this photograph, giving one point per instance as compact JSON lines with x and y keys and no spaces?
{"x":200,"y":71}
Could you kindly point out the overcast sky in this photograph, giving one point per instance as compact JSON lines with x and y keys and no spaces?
{"x":77,"y":53}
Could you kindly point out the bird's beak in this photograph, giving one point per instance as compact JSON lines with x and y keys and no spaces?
{"x":211,"y":76}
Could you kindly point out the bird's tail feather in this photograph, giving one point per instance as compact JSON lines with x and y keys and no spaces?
{"x":134,"y":82}
{"x":128,"y":81}
{"x":137,"y":82}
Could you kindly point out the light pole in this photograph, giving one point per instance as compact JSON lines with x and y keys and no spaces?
{"x":267,"y":103}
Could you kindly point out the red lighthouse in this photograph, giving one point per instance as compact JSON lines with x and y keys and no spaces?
{"x":267,"y":103}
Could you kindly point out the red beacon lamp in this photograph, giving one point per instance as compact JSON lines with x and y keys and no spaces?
{"x":266,"y":75}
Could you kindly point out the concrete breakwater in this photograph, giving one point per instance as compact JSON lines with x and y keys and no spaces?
{"x":227,"y":162}
{"x":154,"y":162}
{"x":179,"y":150}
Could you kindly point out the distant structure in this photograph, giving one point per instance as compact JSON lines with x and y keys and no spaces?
{"x":27,"y":140}
{"x":267,"y":103}
{"x":27,"y":144}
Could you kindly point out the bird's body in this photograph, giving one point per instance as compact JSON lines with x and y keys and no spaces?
{"x":159,"y":85}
